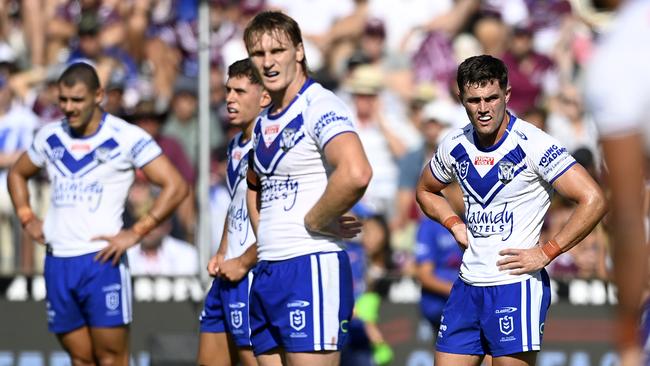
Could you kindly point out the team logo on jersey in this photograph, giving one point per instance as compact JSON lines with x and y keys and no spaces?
{"x":506,"y":171}
{"x":463,"y":169}
{"x":112,"y":300}
{"x":102,"y":154}
{"x":57,"y":153}
{"x":506,"y":324}
{"x":289,"y":138}
{"x":236,"y":318}
{"x":297,"y":319}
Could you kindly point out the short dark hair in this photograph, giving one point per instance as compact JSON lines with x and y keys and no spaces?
{"x":274,"y":22}
{"x":244,"y":68}
{"x":80,"y":72}
{"x":481,"y":70}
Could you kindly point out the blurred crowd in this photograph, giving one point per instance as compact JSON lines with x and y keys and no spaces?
{"x":392,"y":62}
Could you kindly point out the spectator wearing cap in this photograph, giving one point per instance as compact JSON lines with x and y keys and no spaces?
{"x":112,"y":62}
{"x":380,"y":142}
{"x":148,"y":119}
{"x":372,"y":49}
{"x":183,"y":123}
{"x":569,"y":122}
{"x":437,"y":118}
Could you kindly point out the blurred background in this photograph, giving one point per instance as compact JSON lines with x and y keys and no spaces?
{"x":393,"y":63}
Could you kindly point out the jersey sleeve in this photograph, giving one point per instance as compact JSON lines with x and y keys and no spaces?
{"x":327,"y":118}
{"x":143,"y":148}
{"x":549,"y":158}
{"x":441,"y":163}
{"x":37,"y":152}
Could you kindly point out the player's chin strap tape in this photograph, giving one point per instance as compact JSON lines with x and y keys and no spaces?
{"x":252,"y":186}
{"x":251,"y":162}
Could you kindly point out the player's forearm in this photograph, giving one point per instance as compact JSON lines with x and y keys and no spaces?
{"x":223,"y":244}
{"x":18,"y":190}
{"x":346,"y":185}
{"x":249,"y":257}
{"x":171,"y":195}
{"x":434,"y":206}
{"x":582,"y":221}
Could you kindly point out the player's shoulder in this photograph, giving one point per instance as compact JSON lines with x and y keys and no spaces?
{"x":528,"y":135}
{"x":318,"y":97}
{"x":120,"y":129}
{"x":455,"y":136}
{"x":50,"y":129}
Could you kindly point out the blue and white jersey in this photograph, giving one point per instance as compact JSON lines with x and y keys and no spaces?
{"x":240,"y":231}
{"x":90,"y":179}
{"x":507,"y":190}
{"x":17,"y":128}
{"x":289,"y":161}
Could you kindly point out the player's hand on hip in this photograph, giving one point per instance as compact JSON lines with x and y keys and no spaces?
{"x":345,"y":227}
{"x":215,"y":263}
{"x":460,"y":234}
{"x":520,"y":261}
{"x":117,"y":246}
{"x":233,"y":269}
{"x":34,"y":228}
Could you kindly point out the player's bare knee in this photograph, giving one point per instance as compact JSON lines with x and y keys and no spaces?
{"x":82,"y":359}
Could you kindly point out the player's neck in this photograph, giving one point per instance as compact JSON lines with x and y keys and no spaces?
{"x":92,"y":126}
{"x":282,"y":98}
{"x":247,"y":131}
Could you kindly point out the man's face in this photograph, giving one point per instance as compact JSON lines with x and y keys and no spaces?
{"x":276,"y":59}
{"x":78,"y":104}
{"x":485,"y":106}
{"x":243,"y":100}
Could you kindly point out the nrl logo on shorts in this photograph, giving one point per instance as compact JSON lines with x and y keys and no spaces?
{"x":463,"y":168}
{"x":297,"y":319}
{"x":112,"y":300}
{"x":506,"y":324}
{"x":506,"y":171}
{"x":102,"y":154}
{"x":288,"y":139}
{"x":236,"y":318}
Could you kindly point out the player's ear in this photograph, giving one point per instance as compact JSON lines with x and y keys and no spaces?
{"x":300,"y":52}
{"x":99,"y":95}
{"x":265,"y":100}
{"x":508,"y":90}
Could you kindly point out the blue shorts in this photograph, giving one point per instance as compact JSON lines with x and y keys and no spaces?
{"x":496,"y":320}
{"x":84,"y":292}
{"x":302,"y":304}
{"x":226,"y":310}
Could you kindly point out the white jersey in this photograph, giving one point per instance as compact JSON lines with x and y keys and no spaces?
{"x":90,"y":179}
{"x":507,"y":190}
{"x":240,"y":231}
{"x":17,"y":128}
{"x":293,"y":175}
{"x":618,"y":77}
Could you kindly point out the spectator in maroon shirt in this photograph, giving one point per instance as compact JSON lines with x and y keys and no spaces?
{"x":531,"y":75}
